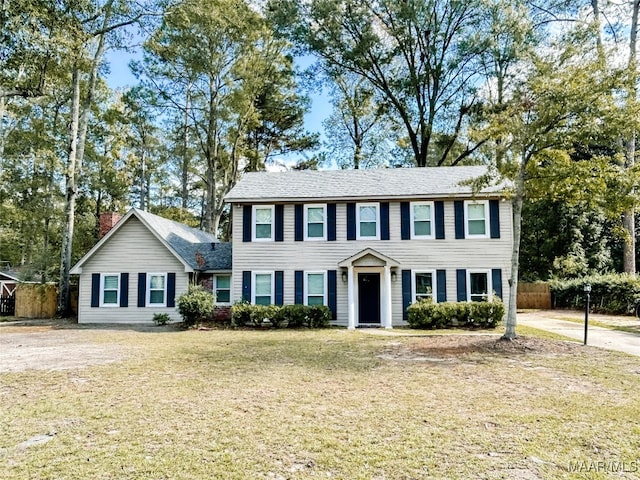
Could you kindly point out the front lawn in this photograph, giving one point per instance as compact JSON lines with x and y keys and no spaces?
{"x":322,"y":404}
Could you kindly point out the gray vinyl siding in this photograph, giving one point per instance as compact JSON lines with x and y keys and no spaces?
{"x":132,"y":249}
{"x":448,"y":254}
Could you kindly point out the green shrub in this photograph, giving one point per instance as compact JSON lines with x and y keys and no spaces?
{"x":286,"y":316}
{"x":610,"y":293}
{"x":196,"y":305}
{"x":429,"y":315}
{"x":161,"y":318}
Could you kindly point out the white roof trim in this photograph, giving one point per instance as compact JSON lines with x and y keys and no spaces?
{"x":347,"y":262}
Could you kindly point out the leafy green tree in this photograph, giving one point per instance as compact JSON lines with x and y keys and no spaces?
{"x":218,"y":65}
{"x":417,"y":54}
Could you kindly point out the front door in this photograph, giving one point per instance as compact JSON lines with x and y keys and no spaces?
{"x":369,"y":298}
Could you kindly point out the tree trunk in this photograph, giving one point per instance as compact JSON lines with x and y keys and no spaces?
{"x":184,"y":180}
{"x":64,"y":299}
{"x":628,"y":219}
{"x":518,"y":199}
{"x":77,"y":144}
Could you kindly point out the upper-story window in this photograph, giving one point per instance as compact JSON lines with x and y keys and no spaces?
{"x":315,"y":222}
{"x":477,"y":215}
{"x":157,"y":289}
{"x":110,"y":291}
{"x":422,"y":223}
{"x":368,"y":221}
{"x":263,"y":223}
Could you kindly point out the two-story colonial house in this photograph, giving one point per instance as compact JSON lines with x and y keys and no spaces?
{"x":367,"y":243}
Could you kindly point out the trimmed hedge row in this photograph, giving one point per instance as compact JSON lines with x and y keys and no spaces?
{"x":286,"y":316}
{"x":610,"y":293}
{"x":429,"y":315}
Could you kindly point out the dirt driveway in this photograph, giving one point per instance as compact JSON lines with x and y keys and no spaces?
{"x":58,"y":345}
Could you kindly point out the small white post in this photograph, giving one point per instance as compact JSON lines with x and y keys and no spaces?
{"x":351,"y":298}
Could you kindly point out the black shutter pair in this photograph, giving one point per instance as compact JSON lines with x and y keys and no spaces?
{"x":278,"y":223}
{"x":494,"y":218}
{"x":384,"y":221}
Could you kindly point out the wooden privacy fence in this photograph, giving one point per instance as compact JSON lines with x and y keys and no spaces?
{"x":534,"y":296}
{"x":36,"y":300}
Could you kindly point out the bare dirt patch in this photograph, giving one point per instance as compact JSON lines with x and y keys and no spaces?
{"x":53,"y":345}
{"x":448,"y":348}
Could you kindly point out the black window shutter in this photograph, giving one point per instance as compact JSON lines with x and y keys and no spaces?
{"x":494,"y":218}
{"x":351,"y":221}
{"x":332,"y":294}
{"x":246,"y":223}
{"x":406,"y":293}
{"x":299,"y":287}
{"x":171,"y":289}
{"x":461,"y":284}
{"x":95,"y":289}
{"x":496,"y":280}
{"x":441,"y":282}
{"x":124,"y":289}
{"x":439,"y":218}
{"x":246,"y":286}
{"x":279,"y":227}
{"x":299,"y":220}
{"x":405,"y":221}
{"x":142,"y":289}
{"x":279,"y":293}
{"x":331,"y":222}
{"x":384,"y":221}
{"x":458,"y":210}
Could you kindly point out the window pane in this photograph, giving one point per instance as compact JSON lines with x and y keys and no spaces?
{"x":110,"y":296}
{"x":368,"y":214}
{"x":156,"y":296}
{"x":422,"y":228}
{"x":476,"y":211}
{"x":478,"y":283}
{"x":368,"y":229}
{"x":111,"y":282}
{"x":476,"y":227}
{"x":315,"y":230}
{"x":315,"y":300}
{"x":223,"y":296}
{"x":424,"y":285}
{"x":223,"y":281}
{"x":263,"y":231}
{"x":263,"y":215}
{"x":315,"y":284}
{"x":422,"y":212}
{"x":315,"y":215}
{"x":263,"y":300}
{"x":156,"y":281}
{"x":263,"y":285}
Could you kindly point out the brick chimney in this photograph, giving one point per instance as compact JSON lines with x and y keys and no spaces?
{"x":107,"y":222}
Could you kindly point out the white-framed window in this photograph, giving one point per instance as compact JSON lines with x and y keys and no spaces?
{"x":477,"y":219}
{"x":479,"y":285}
{"x":222,"y":289}
{"x":263,"y":223}
{"x":157,"y":289}
{"x":315,"y":222}
{"x":424,"y":285}
{"x":315,"y":288}
{"x":368,"y":221}
{"x":422,"y":220}
{"x":110,"y":290}
{"x":263,"y":288}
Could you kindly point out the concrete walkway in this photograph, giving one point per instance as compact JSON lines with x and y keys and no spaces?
{"x":555,"y":321}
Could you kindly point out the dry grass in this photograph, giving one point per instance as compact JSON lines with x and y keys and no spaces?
{"x":323,"y":404}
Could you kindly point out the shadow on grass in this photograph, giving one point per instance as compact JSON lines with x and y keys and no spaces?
{"x":72,"y":324}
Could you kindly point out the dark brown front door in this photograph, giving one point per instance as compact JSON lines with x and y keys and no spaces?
{"x":369,"y":298}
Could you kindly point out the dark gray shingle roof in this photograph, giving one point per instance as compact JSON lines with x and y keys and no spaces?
{"x":199,"y":249}
{"x":359,"y":184}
